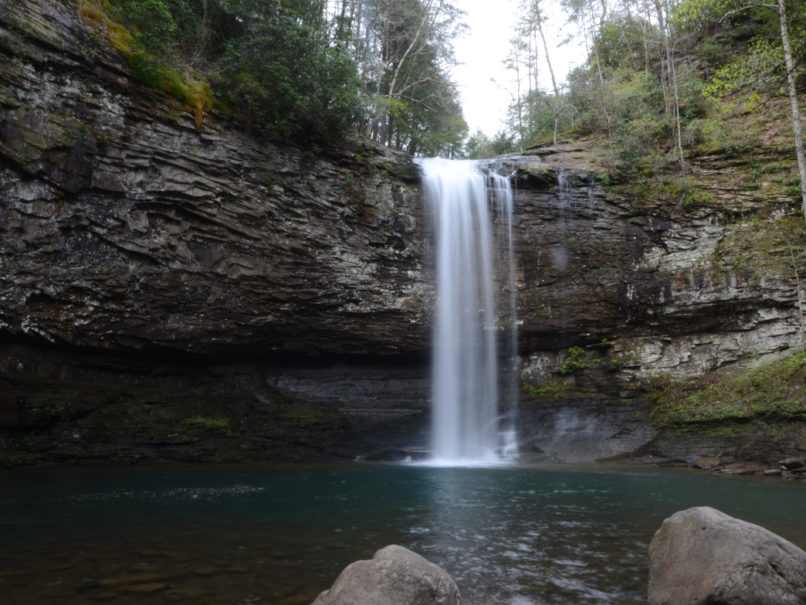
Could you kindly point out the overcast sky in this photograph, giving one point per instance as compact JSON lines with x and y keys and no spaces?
{"x":486,"y":87}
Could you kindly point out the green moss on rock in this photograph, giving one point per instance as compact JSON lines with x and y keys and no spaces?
{"x":774,"y":390}
{"x":765,"y":247}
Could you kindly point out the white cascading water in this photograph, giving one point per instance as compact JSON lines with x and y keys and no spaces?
{"x":468,"y":426}
{"x":505,"y":202}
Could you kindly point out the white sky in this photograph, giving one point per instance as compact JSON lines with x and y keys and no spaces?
{"x":485,"y":85}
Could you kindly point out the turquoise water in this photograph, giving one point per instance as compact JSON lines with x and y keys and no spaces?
{"x":280,"y":536}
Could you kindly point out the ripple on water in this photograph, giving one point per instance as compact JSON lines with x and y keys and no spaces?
{"x":517,"y":536}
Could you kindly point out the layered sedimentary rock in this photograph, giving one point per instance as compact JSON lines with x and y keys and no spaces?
{"x":126,"y":227}
{"x":661,"y":287}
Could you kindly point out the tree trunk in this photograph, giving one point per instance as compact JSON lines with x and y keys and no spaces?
{"x":356,"y":14}
{"x":342,"y":29}
{"x":519,"y":97}
{"x":673,"y":80}
{"x":664,"y":58}
{"x":793,"y":100}
{"x":602,"y":85}
{"x":645,"y":32}
{"x":555,"y":108}
{"x":415,"y":40}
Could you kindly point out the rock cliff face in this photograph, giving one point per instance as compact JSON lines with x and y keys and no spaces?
{"x":133,"y":242}
{"x":125,"y":227}
{"x":126,"y":232}
{"x":661,"y":286}
{"x":617,"y":294}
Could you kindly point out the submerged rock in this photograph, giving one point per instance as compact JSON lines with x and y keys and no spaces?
{"x":394,"y":576}
{"x":702,"y":555}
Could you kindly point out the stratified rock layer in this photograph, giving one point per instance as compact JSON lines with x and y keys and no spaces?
{"x":123,"y":226}
{"x":657,"y":285}
{"x":702,"y":556}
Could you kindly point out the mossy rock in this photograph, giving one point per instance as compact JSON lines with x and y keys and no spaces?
{"x":776,"y":390}
{"x":537,"y":175}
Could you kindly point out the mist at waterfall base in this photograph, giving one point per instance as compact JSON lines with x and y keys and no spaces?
{"x":510,"y":535}
{"x":475,"y":336}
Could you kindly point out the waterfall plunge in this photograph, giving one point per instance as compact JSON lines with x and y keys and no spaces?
{"x":469,"y":425}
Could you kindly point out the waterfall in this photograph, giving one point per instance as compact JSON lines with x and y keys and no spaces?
{"x":505,"y":202}
{"x":469,"y":425}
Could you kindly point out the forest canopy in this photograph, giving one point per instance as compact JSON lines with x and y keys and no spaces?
{"x":655,"y":75}
{"x":314,"y":70}
{"x":654,"y":82}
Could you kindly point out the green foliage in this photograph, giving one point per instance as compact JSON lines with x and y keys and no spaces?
{"x":541,"y":391}
{"x":152,"y":21}
{"x":740,"y":47}
{"x":414,"y":103}
{"x":654,"y":118}
{"x":722,"y":131}
{"x":141,"y":31}
{"x":760,"y":65}
{"x":621,"y":43}
{"x":281,"y":76}
{"x":552,"y":389}
{"x":633,"y":102}
{"x":699,"y":11}
{"x":290,"y":68}
{"x":480,"y":146}
{"x":775,"y":390}
{"x":205,"y":422}
{"x":578,"y":359}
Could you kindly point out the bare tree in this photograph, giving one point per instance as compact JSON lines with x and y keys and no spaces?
{"x":793,"y":102}
{"x":555,"y":107}
{"x":671,"y":71}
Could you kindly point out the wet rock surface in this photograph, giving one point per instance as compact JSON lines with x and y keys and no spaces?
{"x":84,"y":409}
{"x":750,"y":448}
{"x":702,"y":555}
{"x":582,"y":429}
{"x":395,"y":575}
{"x":654,"y":284}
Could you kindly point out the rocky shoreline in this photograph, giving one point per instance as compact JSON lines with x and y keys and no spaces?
{"x":699,"y":556}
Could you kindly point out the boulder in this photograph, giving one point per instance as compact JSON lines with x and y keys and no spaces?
{"x":791,"y":464}
{"x":702,"y":555}
{"x":394,"y":576}
{"x":706,"y":462}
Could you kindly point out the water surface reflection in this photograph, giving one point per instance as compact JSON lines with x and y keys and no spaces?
{"x":508,"y":535}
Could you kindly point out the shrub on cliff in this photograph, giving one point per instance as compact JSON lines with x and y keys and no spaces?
{"x":304,"y":69}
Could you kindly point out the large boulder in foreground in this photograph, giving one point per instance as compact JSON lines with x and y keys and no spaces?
{"x":702,"y":555}
{"x":394,"y":576}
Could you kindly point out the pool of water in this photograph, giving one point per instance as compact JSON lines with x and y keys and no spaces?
{"x":514,"y":535}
